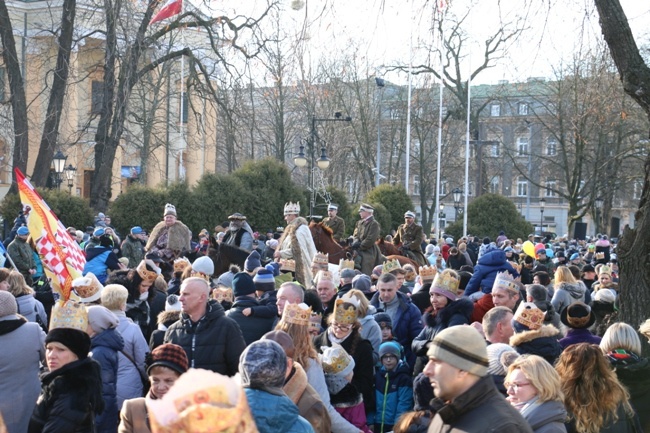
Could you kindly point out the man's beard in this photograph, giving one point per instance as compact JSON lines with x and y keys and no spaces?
{"x":233,"y":227}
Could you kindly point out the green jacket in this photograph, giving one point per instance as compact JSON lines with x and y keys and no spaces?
{"x":21,"y":253}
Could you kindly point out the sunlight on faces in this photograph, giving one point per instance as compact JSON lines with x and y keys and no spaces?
{"x":286,"y":296}
{"x":144,"y":286}
{"x":446,"y":380}
{"x":438,"y":301}
{"x":503,"y":298}
{"x":519,"y":388}
{"x":400,"y":279}
{"x":57,"y":355}
{"x":387,"y":291}
{"x":536,"y":280}
{"x":290,"y":217}
{"x":331,"y":213}
{"x":162,"y":379}
{"x":364,"y":214}
{"x":341,"y":331}
{"x":194,"y":295}
{"x":326,"y":290}
{"x":170,"y":220}
{"x":4,"y":285}
{"x":389,"y":362}
{"x":604,"y":279}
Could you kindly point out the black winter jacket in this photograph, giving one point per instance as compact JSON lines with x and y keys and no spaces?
{"x":70,"y":398}
{"x":214,"y":343}
{"x":253,"y":326}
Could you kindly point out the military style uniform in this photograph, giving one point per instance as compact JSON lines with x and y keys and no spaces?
{"x":337,"y":224}
{"x":410,"y":236}
{"x":366,"y":233}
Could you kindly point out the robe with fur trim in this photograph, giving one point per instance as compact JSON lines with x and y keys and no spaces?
{"x":542,"y":342}
{"x":178,"y":240}
{"x":297,"y":244}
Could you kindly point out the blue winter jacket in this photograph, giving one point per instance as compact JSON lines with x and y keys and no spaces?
{"x":394,"y":395}
{"x":486,"y":270}
{"x":104,"y":348}
{"x":407,"y":323}
{"x":99,"y":260}
{"x":275,"y":413}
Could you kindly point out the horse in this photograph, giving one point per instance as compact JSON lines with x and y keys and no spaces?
{"x":325,"y":243}
{"x":391,"y":252}
{"x":224,"y":255}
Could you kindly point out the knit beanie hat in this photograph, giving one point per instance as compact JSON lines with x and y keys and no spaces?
{"x":204,"y":265}
{"x":384,"y":320}
{"x":77,"y":341}
{"x":22,"y":231}
{"x":168,"y":355}
{"x":263,"y":364}
{"x":337,"y":364}
{"x":463,"y":347}
{"x":264,"y":280}
{"x":361,"y":282}
{"x":8,"y":306}
{"x":172,"y":303}
{"x":101,"y":318}
{"x":225,"y":279}
{"x":242,"y":285}
{"x":390,"y":348}
{"x":274,"y":267}
{"x":170,"y":209}
{"x":252,"y":262}
{"x":605,"y":296}
{"x":283,"y":339}
{"x":494,"y":352}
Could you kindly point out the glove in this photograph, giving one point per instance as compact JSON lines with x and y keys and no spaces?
{"x":356,"y":244}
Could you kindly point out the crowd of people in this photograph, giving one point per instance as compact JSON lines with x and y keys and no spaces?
{"x":474,"y":335}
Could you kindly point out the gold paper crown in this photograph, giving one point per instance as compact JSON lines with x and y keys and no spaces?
{"x":345,"y":311}
{"x":390,"y":265}
{"x":600,"y":256}
{"x":87,"y":288}
{"x":529,"y":315}
{"x":223,"y":294}
{"x":605,"y":270}
{"x":298,"y":314}
{"x":428,"y":273}
{"x":346,"y":264}
{"x":446,"y":281}
{"x":320,"y":259}
{"x":505,"y":281}
{"x":292,"y":208}
{"x":69,"y":314}
{"x":315,"y":321}
{"x":324,"y":276}
{"x":336,"y":362}
{"x":181,"y":264}
{"x":288,"y":265}
{"x":146,"y":274}
{"x":207,"y":402}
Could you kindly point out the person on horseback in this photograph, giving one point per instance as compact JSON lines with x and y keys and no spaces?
{"x":239,"y":233}
{"x":169,"y":238}
{"x":296,"y":243}
{"x":334,"y":222}
{"x":366,"y":233}
{"x":410,"y":235}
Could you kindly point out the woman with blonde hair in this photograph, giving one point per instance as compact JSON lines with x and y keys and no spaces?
{"x":622,"y":346}
{"x":370,"y":329}
{"x":534,"y":389}
{"x":28,"y":306}
{"x":594,"y":398}
{"x":567,"y":289}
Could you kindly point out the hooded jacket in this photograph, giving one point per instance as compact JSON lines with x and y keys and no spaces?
{"x":70,"y":398}
{"x":104,"y":348}
{"x":275,"y":413}
{"x":129,"y":380}
{"x":480,"y":409}
{"x":214,"y":343}
{"x":486,"y":270}
{"x":32,"y":309}
{"x":253,"y":326}
{"x":566,"y":294}
{"x":542,"y":342}
{"x":393,"y":395}
{"x":309,"y":403}
{"x":548,"y":417}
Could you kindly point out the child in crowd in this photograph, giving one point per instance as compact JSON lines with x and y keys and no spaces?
{"x":393,"y":388}
{"x":344,"y":396}
{"x":266,"y":294}
{"x":386,"y":325}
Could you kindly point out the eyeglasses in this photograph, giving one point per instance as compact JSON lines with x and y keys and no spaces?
{"x":515,"y":386}
{"x":341,"y":327}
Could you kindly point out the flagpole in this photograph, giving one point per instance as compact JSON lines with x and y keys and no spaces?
{"x":181,"y":170}
{"x":408,"y":112}
{"x":440,"y":100}
{"x":467,"y":133}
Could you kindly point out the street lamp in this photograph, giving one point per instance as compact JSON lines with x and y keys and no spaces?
{"x":542,"y":202}
{"x":598,"y":204}
{"x":380,"y":86}
{"x":70,"y":172}
{"x":323,"y":161}
{"x":58,"y":163}
{"x":441,"y":217}
{"x":457,"y":194}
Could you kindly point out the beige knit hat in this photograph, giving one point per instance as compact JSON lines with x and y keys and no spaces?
{"x":463,"y":347}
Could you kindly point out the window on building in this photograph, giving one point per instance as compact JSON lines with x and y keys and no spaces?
{"x":416,"y":184}
{"x":522,"y":146}
{"x":523,"y":109}
{"x":495,"y":149}
{"x":443,"y":187}
{"x":551,"y":146}
{"x":638,"y":189}
{"x":522,"y":187}
{"x":97,"y":97}
{"x":186,"y":107}
{"x":494,"y":185}
{"x":550,"y":187}
{"x":495,"y":110}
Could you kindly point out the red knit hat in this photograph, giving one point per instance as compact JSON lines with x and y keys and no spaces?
{"x":168,"y":355}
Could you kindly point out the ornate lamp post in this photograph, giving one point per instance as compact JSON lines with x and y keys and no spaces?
{"x":58,"y":163}
{"x":598,"y":204}
{"x":457,"y":194}
{"x":70,"y":172}
{"x":542,"y":202}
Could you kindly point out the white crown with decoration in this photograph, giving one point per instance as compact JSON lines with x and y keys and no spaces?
{"x":505,"y":281}
{"x":292,"y":208}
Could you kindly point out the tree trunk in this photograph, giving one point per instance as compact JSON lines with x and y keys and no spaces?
{"x":57,"y":95}
{"x":17,"y":91}
{"x":634,"y":246}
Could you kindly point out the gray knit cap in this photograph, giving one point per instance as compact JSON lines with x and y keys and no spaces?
{"x":463,"y":347}
{"x":8,"y":306}
{"x":263,"y":364}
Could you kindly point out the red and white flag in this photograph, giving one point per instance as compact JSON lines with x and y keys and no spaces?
{"x":171,"y":8}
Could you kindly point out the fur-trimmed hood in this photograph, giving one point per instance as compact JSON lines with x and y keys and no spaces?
{"x":577,"y":291}
{"x":527,"y":336}
{"x":168,"y":317}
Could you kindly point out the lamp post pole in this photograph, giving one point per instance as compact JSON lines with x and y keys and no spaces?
{"x":542,"y":202}
{"x":380,"y":87}
{"x":598,"y":204}
{"x":457,"y":194}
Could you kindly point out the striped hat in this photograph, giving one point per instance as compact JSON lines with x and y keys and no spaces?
{"x":462,"y":347}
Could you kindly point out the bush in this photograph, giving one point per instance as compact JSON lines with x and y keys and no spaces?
{"x":217,"y":196}
{"x":395,"y":201}
{"x":138,"y":206}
